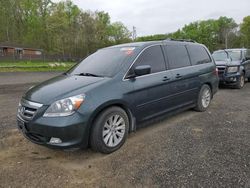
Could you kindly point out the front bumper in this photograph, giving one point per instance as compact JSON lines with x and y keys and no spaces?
{"x":229,"y":79}
{"x":72,"y":130}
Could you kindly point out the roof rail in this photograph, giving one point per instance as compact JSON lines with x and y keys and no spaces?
{"x":181,"y":40}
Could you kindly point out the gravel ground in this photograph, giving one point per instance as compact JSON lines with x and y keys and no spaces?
{"x":190,"y":149}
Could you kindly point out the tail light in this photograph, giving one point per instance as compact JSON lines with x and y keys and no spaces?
{"x":216,"y":72}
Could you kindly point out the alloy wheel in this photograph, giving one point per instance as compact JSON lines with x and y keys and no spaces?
{"x":242,"y":81}
{"x":206,"y":98}
{"x":113,"y":130}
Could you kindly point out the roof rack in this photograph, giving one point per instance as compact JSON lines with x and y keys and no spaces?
{"x":181,"y":40}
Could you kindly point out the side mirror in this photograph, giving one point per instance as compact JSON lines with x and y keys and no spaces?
{"x":142,"y":70}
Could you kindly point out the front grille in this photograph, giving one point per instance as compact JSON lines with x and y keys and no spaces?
{"x":221,"y":70}
{"x":28,"y":109}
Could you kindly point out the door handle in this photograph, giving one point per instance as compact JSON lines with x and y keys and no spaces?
{"x":178,"y":76}
{"x":165,"y":78}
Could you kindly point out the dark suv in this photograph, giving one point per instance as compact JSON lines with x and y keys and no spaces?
{"x":99,"y":101}
{"x":233,"y":66}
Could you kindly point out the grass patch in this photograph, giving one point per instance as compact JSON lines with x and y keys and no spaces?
{"x":28,"y":66}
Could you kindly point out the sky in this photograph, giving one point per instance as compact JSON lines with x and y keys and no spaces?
{"x":165,"y":16}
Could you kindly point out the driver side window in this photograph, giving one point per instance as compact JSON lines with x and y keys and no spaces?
{"x":152,"y":56}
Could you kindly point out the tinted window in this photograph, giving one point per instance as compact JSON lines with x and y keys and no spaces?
{"x":198,"y":54}
{"x":152,"y":56}
{"x":177,"y":56}
{"x":106,"y":62}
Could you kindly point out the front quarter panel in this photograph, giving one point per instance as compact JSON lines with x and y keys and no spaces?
{"x":110,"y":93}
{"x":246,"y":65}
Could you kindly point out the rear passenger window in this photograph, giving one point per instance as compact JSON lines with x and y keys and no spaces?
{"x":198,"y":55}
{"x":177,"y":56}
{"x":152,"y":56}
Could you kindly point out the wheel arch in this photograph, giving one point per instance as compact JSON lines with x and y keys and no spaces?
{"x":242,"y":70}
{"x":210,"y":85}
{"x":118,"y":103}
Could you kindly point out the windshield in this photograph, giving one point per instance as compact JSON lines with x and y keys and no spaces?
{"x":105,"y":62}
{"x":235,"y":55}
{"x":220,"y":56}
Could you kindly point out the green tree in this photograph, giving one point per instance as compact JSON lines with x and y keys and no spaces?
{"x":215,"y":34}
{"x":245,"y":31}
{"x":119,"y":33}
{"x":227,"y":28}
{"x":152,"y":37}
{"x":59,"y":28}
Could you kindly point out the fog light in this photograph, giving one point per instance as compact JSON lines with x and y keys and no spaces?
{"x":55,"y":140}
{"x":233,"y":79}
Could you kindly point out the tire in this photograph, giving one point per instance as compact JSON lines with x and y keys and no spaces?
{"x":110,"y":130}
{"x":240,"y":82}
{"x":204,"y":98}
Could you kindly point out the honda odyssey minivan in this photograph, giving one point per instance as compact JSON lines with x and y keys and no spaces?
{"x":106,"y":96}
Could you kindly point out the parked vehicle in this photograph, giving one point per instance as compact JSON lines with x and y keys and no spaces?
{"x":106,"y":96}
{"x":233,"y":66}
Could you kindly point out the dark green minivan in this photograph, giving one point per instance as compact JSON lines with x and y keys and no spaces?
{"x":106,"y":96}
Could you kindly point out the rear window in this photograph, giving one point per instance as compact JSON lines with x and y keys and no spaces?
{"x":198,"y":55}
{"x":177,"y":56}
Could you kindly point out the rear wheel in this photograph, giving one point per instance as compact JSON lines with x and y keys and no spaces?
{"x":110,"y":130}
{"x":204,"y":98}
{"x":241,"y":82}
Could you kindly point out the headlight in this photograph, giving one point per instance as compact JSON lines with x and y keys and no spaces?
{"x":232,"y":69}
{"x":65,"y":107}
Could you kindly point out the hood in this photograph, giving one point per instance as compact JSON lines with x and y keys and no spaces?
{"x":227,"y":63}
{"x":58,"y":87}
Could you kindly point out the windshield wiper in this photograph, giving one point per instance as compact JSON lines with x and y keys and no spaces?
{"x":88,"y":74}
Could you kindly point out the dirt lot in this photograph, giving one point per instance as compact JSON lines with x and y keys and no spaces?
{"x":191,"y":149}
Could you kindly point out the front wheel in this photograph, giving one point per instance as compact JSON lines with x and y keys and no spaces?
{"x":110,"y":130}
{"x":204,"y":98}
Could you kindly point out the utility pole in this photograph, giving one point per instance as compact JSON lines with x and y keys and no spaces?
{"x":134,"y":33}
{"x":226,"y":39}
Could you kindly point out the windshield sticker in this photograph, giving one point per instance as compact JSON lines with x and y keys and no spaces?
{"x":128,"y":50}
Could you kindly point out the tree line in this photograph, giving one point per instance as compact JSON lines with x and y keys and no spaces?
{"x":64,"y":29}
{"x":58,"y":28}
{"x":216,"y":34}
